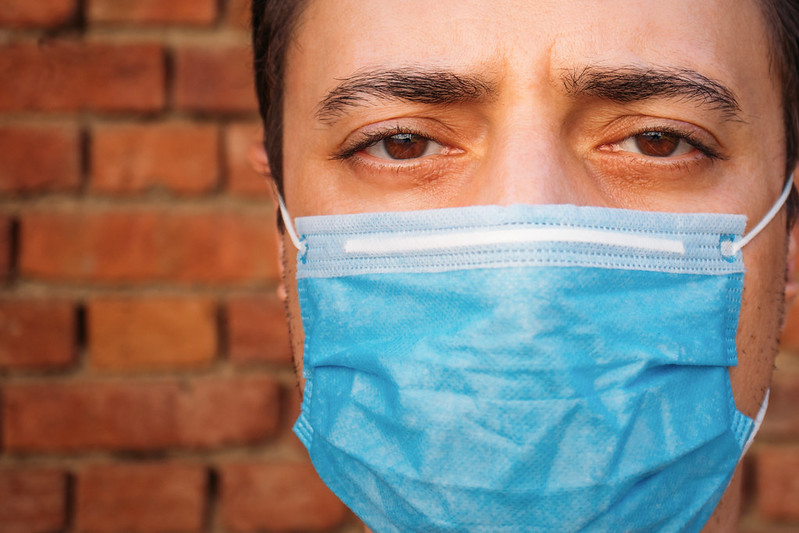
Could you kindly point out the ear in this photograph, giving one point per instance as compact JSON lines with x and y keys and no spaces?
{"x":257,"y":157}
{"x":259,"y":161}
{"x":792,"y":276}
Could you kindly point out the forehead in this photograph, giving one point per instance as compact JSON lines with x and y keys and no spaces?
{"x":529,"y":43}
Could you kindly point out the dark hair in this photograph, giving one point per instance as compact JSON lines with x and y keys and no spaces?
{"x":274,"y":21}
{"x":782,"y":17}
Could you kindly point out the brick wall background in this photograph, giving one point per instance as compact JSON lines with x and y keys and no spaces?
{"x":145,"y":381}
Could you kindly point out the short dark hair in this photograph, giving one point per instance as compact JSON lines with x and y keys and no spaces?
{"x":274,"y":21}
{"x":782,"y":16}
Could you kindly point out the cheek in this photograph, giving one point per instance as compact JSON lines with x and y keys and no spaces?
{"x":760,"y":318}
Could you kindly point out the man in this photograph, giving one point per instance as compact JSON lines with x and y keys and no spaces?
{"x":636,"y":108}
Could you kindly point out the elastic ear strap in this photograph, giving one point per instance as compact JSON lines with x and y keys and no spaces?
{"x":766,"y":219}
{"x":284,"y":214}
{"x":761,"y":413}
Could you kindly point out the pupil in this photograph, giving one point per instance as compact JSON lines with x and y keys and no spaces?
{"x":405,"y":146}
{"x":657,"y":143}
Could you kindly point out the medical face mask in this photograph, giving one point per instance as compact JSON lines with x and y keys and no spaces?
{"x":521,"y":368}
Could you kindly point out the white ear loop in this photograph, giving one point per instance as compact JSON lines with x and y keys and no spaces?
{"x":758,"y":420}
{"x":729,"y":248}
{"x":284,"y":214}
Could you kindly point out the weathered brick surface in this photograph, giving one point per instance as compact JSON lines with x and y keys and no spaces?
{"x":141,"y":347}
{"x":136,"y":246}
{"x":181,"y":158}
{"x":778,"y":483}
{"x":73,"y":76}
{"x":32,"y":500}
{"x":257,"y":331}
{"x":214,"y":80}
{"x":276,"y":497}
{"x":136,"y":334}
{"x":25,"y":168}
{"x":36,"y":334}
{"x":292,"y":402}
{"x":789,"y":340}
{"x":140,"y":498}
{"x":183,"y":12}
{"x":782,"y":421}
{"x":139,"y":415}
{"x":241,"y":178}
{"x":42,"y":13}
{"x":237,"y":14}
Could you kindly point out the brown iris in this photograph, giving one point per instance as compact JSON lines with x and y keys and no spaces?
{"x":405,"y":146}
{"x":657,"y":143}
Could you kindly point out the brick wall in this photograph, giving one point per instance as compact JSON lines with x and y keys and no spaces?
{"x":145,"y":377}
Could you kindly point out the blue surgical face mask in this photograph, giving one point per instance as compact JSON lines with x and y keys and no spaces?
{"x":523,"y":368}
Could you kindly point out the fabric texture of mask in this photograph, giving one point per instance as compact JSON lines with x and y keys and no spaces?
{"x":522,"y":368}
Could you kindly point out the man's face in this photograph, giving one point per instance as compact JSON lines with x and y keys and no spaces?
{"x":665,"y":106}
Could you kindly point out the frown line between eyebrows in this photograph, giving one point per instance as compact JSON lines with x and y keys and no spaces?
{"x":413,"y":85}
{"x":635,"y":84}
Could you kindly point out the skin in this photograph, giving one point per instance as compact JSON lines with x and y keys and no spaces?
{"x":537,"y":137}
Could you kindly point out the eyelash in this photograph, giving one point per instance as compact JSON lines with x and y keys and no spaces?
{"x":370,"y":139}
{"x":688,"y":137}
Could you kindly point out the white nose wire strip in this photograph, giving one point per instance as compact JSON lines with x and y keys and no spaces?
{"x":729,"y":248}
{"x":284,"y":214}
{"x":417,"y":243}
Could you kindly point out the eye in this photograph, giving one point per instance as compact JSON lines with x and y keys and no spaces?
{"x":657,"y":144}
{"x":401,"y":146}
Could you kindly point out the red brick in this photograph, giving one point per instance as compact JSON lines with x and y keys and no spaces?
{"x":241,"y":178}
{"x":278,"y":497}
{"x":237,"y":14}
{"x":139,"y":415}
{"x":33,"y":500}
{"x":144,"y":246}
{"x":182,"y":12}
{"x":790,"y":333}
{"x":36,"y":334}
{"x":782,"y":420}
{"x":22,"y":167}
{"x":140,"y":498}
{"x":5,"y":247}
{"x":134,"y":334}
{"x":181,"y":158}
{"x":43,"y":13}
{"x":214,"y":80}
{"x":257,"y":331}
{"x":73,"y":76}
{"x":292,"y":402}
{"x":778,"y":482}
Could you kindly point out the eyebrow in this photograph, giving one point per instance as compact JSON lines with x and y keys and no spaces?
{"x":634,"y":84}
{"x":410,"y":84}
